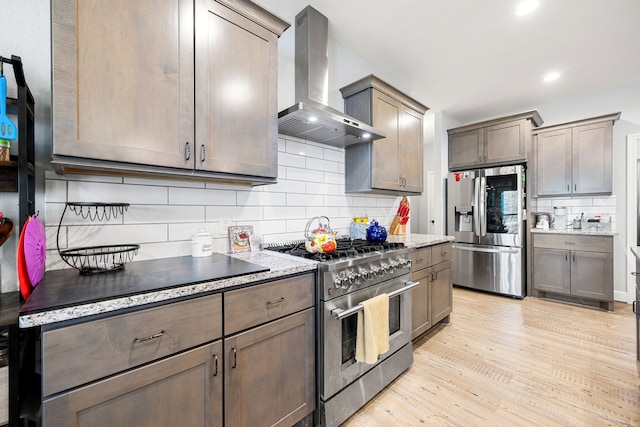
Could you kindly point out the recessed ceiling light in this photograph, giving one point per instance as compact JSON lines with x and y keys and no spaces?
{"x":551,"y":77}
{"x":526,"y":7}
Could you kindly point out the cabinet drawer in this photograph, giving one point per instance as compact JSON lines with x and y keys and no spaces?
{"x":441,"y":253}
{"x":258,"y":304}
{"x":420,"y":258}
{"x":574,"y":242}
{"x":77,"y":354}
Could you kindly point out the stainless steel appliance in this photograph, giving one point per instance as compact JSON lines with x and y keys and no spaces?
{"x":636,"y":308}
{"x":485,"y":215}
{"x":356,"y":271}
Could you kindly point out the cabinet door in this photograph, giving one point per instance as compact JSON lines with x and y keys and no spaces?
{"x":551,"y":271}
{"x":465,"y":149}
{"x":592,"y":275}
{"x":236,"y":93}
{"x":420,"y":303}
{"x":441,"y":292}
{"x":123,"y":80}
{"x":505,"y":143}
{"x":183,"y":390}
{"x":411,"y":159}
{"x":553,"y":163}
{"x":386,"y":151}
{"x":270,"y":373}
{"x":592,"y":158}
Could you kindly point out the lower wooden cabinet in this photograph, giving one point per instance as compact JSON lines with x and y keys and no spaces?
{"x":576,"y":266}
{"x":182,"y":390}
{"x":270,"y":371}
{"x":432,"y":300}
{"x":175,"y":365}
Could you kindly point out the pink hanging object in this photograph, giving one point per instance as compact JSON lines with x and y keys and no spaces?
{"x":35,"y":250}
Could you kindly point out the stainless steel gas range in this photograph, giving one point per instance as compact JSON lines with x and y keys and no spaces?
{"x":356,"y":271}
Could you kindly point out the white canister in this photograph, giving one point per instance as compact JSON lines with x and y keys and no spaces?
{"x":560,"y":214}
{"x":202,"y":243}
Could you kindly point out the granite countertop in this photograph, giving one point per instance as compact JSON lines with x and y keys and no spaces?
{"x":414,"y":240}
{"x":65,"y":295}
{"x":584,"y":231}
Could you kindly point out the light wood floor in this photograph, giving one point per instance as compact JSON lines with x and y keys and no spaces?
{"x":506,"y":362}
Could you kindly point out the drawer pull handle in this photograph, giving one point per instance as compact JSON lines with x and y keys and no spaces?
{"x":215,"y":365}
{"x":276,"y":302}
{"x":569,"y":243}
{"x":150,"y":337}
{"x":634,"y":273}
{"x":234,"y":363}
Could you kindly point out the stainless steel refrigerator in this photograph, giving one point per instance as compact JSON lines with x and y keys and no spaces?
{"x":485,"y":215}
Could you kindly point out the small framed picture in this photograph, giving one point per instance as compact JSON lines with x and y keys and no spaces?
{"x":256,"y":242}
{"x":239,"y":238}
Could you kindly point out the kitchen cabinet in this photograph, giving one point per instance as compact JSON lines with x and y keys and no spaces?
{"x":574,"y":158}
{"x":139,"y":368}
{"x":156,"y":91}
{"x":432,"y":300}
{"x":575,"y":266}
{"x":392,"y":165}
{"x":270,"y":367}
{"x":492,"y":143}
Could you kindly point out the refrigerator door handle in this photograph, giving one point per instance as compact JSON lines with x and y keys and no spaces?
{"x":635,"y":307}
{"x":492,"y":250}
{"x":483,"y":206}
{"x":476,"y":207}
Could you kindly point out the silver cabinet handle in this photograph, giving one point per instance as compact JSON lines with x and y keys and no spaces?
{"x":150,"y":337}
{"x":187,"y":151}
{"x":234,"y":363}
{"x":203,"y":153}
{"x":568,"y":187}
{"x":569,"y":243}
{"x":635,"y":307}
{"x":215,"y":365}
{"x":635,"y":273}
{"x":276,"y":302}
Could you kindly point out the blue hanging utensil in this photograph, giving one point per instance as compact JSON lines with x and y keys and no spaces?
{"x":7,"y":129}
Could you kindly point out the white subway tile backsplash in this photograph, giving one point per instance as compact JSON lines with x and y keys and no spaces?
{"x":275,"y":213}
{"x":322,"y":165}
{"x":305,"y":200}
{"x":288,"y":186}
{"x":264,"y":198}
{"x":236,"y":213}
{"x":301,"y":174}
{"x":163,"y":182}
{"x":184,"y":231}
{"x":321,"y":188}
{"x":295,"y":160}
{"x":55,"y":190}
{"x":83,"y":191}
{"x":306,"y":150}
{"x":140,"y":214}
{"x":116,"y":234}
{"x":192,"y":196}
{"x":336,"y":155}
{"x":334,"y":178}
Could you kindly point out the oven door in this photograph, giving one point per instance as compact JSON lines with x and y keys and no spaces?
{"x":338,"y":337}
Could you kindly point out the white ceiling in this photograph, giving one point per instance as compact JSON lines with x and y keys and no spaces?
{"x":475,"y":59}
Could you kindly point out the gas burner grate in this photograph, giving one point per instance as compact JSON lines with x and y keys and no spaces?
{"x":345,"y":248}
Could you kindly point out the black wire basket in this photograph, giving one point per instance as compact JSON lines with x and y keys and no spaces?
{"x":97,"y":259}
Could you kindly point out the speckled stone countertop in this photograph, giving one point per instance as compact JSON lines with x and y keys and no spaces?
{"x":414,"y":240}
{"x":582,"y":231}
{"x":65,"y":295}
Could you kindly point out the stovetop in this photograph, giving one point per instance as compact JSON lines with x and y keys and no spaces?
{"x":346,"y":249}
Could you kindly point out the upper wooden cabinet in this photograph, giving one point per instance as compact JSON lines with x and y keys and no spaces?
{"x":153,"y":91}
{"x":392,"y":164}
{"x":491,"y":143}
{"x":574,"y":158}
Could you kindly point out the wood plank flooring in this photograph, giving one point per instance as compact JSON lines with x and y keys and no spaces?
{"x":506,"y":362}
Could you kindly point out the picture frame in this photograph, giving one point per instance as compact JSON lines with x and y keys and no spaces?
{"x":255,"y":241}
{"x":240,"y":238}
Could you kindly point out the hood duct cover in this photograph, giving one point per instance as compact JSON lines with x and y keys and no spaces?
{"x":311,"y":118}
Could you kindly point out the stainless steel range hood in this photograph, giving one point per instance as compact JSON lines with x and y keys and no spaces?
{"x":311,"y":118}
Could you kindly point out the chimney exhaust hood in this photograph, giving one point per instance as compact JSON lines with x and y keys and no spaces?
{"x":311,"y":118}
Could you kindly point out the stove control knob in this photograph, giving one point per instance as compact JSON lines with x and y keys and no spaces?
{"x":393,"y":266}
{"x":375,"y":272}
{"x":366,"y":274}
{"x":354,"y":278}
{"x":384,"y":267}
{"x":340,"y":282}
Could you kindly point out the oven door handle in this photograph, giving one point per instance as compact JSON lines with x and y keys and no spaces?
{"x":340,"y":314}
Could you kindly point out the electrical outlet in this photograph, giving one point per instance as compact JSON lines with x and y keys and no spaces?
{"x":224,"y":224}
